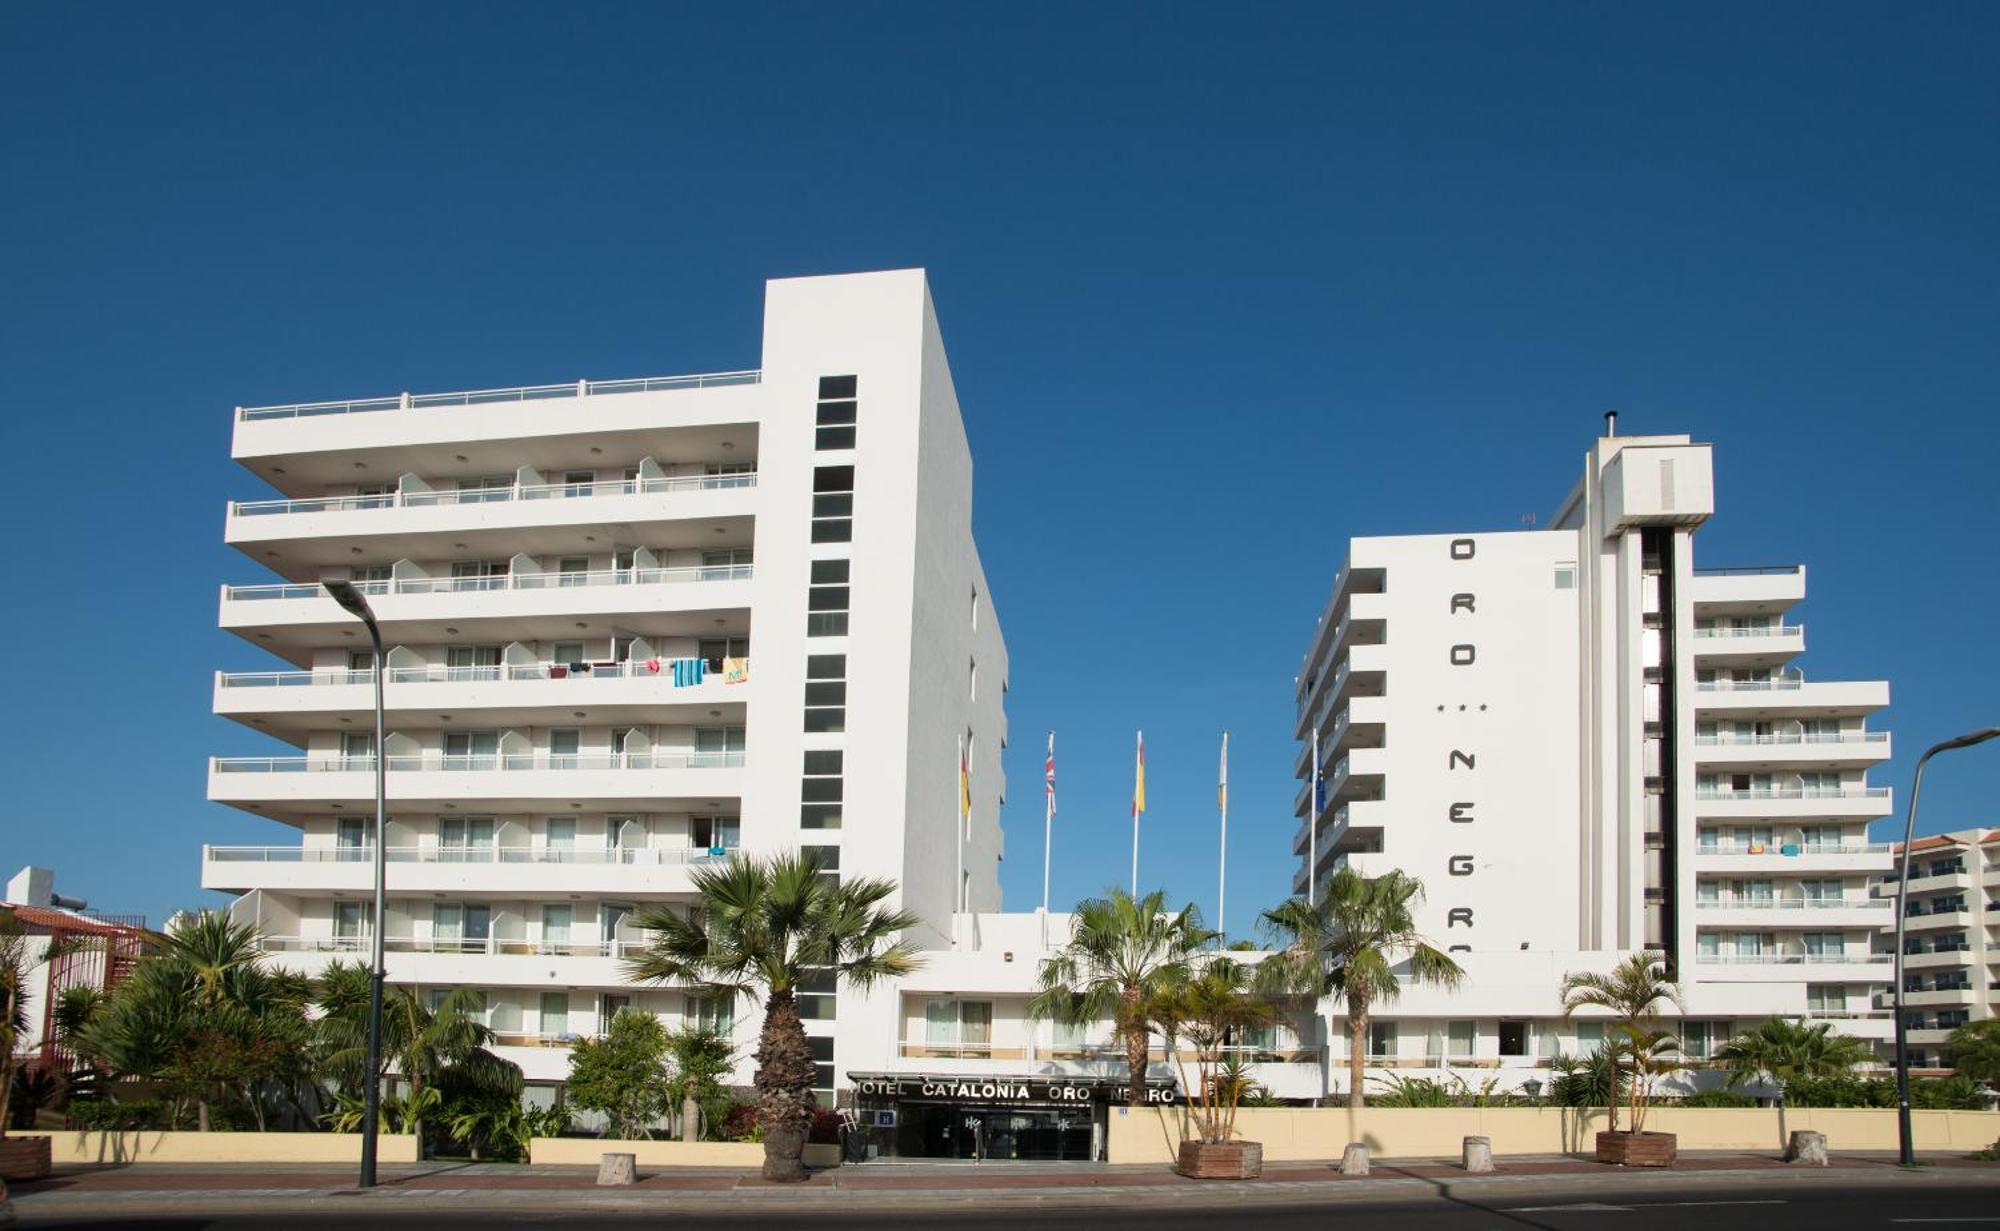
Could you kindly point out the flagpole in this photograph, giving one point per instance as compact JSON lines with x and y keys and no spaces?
{"x":1312,"y":843}
{"x":1138,"y":806}
{"x":958,"y":834}
{"x":1222,"y":858}
{"x":1048,"y":818}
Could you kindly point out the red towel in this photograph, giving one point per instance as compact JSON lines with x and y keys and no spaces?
{"x":653,"y":665}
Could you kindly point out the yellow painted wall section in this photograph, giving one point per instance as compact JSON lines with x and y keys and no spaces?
{"x":588,"y":1151}
{"x":178,"y":1147}
{"x":1152,"y":1135}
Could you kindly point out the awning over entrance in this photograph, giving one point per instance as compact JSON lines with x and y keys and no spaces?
{"x":1005,"y":1090}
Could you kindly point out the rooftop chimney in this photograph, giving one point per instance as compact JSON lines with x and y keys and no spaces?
{"x":1610,"y":423}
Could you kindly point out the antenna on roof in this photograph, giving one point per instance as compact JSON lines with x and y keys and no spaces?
{"x":1610,"y":423}
{"x":1528,"y":520}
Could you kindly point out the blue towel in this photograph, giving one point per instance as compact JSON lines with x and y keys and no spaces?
{"x":689,"y":671}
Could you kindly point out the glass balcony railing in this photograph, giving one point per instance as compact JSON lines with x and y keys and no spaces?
{"x":495,"y":495}
{"x":492,"y":853}
{"x":486,"y":397}
{"x":505,"y":581}
{"x":435,"y":674}
{"x":441,"y":763}
{"x":1790,"y":959}
{"x":1795,"y":792}
{"x":1780,"y":738}
{"x":1725,"y":632}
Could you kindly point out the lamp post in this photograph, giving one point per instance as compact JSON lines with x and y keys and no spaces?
{"x":350,"y":597}
{"x":1905,"y":1144}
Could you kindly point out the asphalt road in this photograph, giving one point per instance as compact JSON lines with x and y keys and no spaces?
{"x":1931,"y":1202}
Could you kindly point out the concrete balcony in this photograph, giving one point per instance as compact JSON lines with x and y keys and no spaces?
{"x":1747,"y":647}
{"x":1959,"y":881}
{"x":1788,"y":912}
{"x":1359,"y":770}
{"x":1790,"y":696}
{"x":1936,"y":921}
{"x":1937,"y":998}
{"x":293,"y":620}
{"x":290,"y":787}
{"x":320,"y":443}
{"x":1847,"y":750}
{"x":1929,"y":1037}
{"x":1362,"y":722}
{"x":477,"y":963}
{"x":300,"y":537}
{"x":1856,"y":967}
{"x":1794,"y":803}
{"x":1748,"y":591}
{"x":289,"y":704}
{"x":1800,"y":861}
{"x":491,"y":871}
{"x":1360,"y":674}
{"x":1362,"y":623}
{"x":1937,"y":959}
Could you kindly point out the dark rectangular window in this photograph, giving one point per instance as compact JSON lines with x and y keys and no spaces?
{"x":819,"y":816}
{"x":826,"y":692}
{"x":820,"y":790}
{"x":838,"y":386}
{"x":826,"y":666}
{"x":833,"y":478}
{"x":827,"y":598}
{"x":841,"y":531}
{"x":833,"y":438}
{"x":828,"y":720}
{"x":839,"y":504}
{"x":830,"y":573}
{"x":835,"y":414}
{"x":826,"y":624}
{"x":822,"y":761}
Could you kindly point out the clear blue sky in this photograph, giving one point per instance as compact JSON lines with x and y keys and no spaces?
{"x":1223,"y":285}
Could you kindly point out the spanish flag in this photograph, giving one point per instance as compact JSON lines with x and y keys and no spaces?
{"x":1139,"y":780}
{"x":964,"y":783}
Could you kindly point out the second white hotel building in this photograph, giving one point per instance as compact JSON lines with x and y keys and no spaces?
{"x":1584,"y":745}
{"x":634,"y":626}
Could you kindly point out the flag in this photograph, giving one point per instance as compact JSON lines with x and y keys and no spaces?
{"x":1222,"y":783}
{"x":1139,"y":779}
{"x":1319,"y":785}
{"x":1049,"y":774}
{"x":964,"y":783}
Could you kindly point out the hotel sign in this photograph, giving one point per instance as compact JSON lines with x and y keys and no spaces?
{"x":969,"y":1089}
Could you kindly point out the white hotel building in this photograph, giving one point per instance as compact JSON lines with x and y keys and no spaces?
{"x":1583,"y":745}
{"x":1951,"y":938}
{"x":635,"y":625}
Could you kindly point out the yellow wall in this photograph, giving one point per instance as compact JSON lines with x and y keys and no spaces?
{"x":149,"y":1147}
{"x":1152,"y":1135}
{"x":588,"y":1151}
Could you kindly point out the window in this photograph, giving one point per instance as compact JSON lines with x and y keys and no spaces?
{"x":959,"y":1024}
{"x":1460,"y":1038}
{"x":1381,"y":1038}
{"x":826,"y":693}
{"x":1513,"y":1038}
{"x":827,"y":599}
{"x":479,"y":575}
{"x":1825,"y":944}
{"x":729,"y":474}
{"x":348,"y":835}
{"x":1262,"y":1037}
{"x":1823,"y":998}
{"x":573,"y":571}
{"x":1699,"y":1039}
{"x":838,"y":386}
{"x":357,"y":746}
{"x":556,"y":920}
{"x":1566,"y":577}
{"x":461,"y":927}
{"x":472,"y":662}
{"x":465,"y":839}
{"x":373,"y":578}
{"x":559,"y":839}
{"x":714,"y":649}
{"x":816,"y":996}
{"x":555,"y":1015}
{"x":486,"y":487}
{"x":1589,"y":1038}
{"x":608,"y":1007}
{"x":578,"y":482}
{"x":564,"y":743}
{"x":829,"y":860}
{"x":822,"y":1050}
{"x":820,"y":789}
{"x":715,"y":833}
{"x":347,"y":921}
{"x":725,"y":563}
{"x":834,"y":425}
{"x":566,"y":652}
{"x":722,"y":740}
{"x":471,"y":749}
{"x":715,"y":1014}
{"x":833,"y":504}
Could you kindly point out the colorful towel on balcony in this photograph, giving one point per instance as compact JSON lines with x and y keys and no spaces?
{"x":689,"y":671}
{"x":735,"y":670}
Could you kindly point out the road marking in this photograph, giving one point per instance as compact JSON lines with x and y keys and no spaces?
{"x":1767,"y":1201}
{"x":1600,"y":1207}
{"x":1944,"y":1220}
{"x":1597,"y":1206}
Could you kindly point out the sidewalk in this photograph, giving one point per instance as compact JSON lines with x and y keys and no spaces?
{"x":188,"y":1188}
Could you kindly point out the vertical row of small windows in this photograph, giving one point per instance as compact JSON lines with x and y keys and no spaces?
{"x":833,"y":425}
{"x":827,"y":599}
{"x":826,"y":693}
{"x":821,"y":789}
{"x":833,"y":504}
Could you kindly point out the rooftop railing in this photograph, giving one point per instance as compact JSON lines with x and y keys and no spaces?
{"x":496,"y":495}
{"x":1753,"y":570}
{"x":484,"y":397}
{"x":505,"y":581}
{"x":440,"y":763}
{"x":436,"y":674}
{"x":643,"y":856}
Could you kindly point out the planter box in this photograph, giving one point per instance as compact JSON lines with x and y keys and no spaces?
{"x":24,"y":1158}
{"x":1230,"y":1160}
{"x":1637,"y":1149}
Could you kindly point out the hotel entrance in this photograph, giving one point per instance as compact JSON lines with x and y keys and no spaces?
{"x":992,"y":1119}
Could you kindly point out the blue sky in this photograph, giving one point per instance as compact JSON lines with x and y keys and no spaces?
{"x":1223,"y":285}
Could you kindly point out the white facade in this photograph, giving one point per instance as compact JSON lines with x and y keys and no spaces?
{"x":1951,"y":938}
{"x":546,"y":564}
{"x":1583,"y":745}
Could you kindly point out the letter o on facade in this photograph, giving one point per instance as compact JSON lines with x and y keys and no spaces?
{"x":1462,"y":655}
{"x":1459,"y":865}
{"x":1461,"y":549}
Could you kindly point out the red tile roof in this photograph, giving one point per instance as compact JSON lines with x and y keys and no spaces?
{"x":43,"y":918}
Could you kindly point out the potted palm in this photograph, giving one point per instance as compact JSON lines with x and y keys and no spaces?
{"x":1209,"y":1013}
{"x":771,"y":925}
{"x":1632,"y":992}
{"x":1781,"y":1051}
{"x":1350,"y":945}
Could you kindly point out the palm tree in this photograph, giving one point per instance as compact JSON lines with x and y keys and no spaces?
{"x":1122,"y":953}
{"x":771,"y":924}
{"x":1350,"y":945}
{"x":1781,"y":1051}
{"x":1974,"y":1049}
{"x":1210,"y":1012}
{"x":425,"y":1045}
{"x":1633,"y":992}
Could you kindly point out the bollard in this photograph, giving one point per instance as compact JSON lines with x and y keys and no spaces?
{"x":1355,"y":1160}
{"x":1807,"y":1147}
{"x":1479,"y":1154}
{"x":618,"y":1169}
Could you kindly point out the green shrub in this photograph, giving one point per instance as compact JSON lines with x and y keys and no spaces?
{"x":1955,"y":1093}
{"x":136,"y":1115}
{"x":1718,"y":1098}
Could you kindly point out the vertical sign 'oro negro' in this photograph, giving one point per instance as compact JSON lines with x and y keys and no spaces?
{"x":1462,"y":654}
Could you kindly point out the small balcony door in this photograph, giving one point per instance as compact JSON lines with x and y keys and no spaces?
{"x":559,"y":838}
{"x":471,"y":749}
{"x":349,"y":921}
{"x":564,"y":744}
{"x":461,"y":927}
{"x":350,"y":838}
{"x":465,"y":839}
{"x":556,"y":920}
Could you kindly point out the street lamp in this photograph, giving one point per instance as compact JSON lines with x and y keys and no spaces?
{"x":350,"y":597}
{"x":1908,"y":1153}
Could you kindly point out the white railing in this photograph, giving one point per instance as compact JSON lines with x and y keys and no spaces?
{"x":482,"y":397}
{"x":1791,"y":903}
{"x":1774,"y":630}
{"x":505,"y":581}
{"x":477,"y":763}
{"x":494,"y":495}
{"x":1776,"y":848}
{"x":1781,"y":684}
{"x":470,"y":946}
{"x":644,"y":856}
{"x":456,"y":675}
{"x":1795,"y":792}
{"x":1729,"y":739}
{"x":1790,"y":959}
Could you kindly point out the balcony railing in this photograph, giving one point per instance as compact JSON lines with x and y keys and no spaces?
{"x":1795,"y":792}
{"x":1790,"y":959}
{"x":476,"y":763}
{"x":505,"y":581}
{"x":482,"y":397}
{"x":494,"y":495}
{"x":1754,"y":570}
{"x":1734,"y":739}
{"x":484,"y":946}
{"x":512,"y":1038}
{"x":1781,"y":684}
{"x":1791,"y":904}
{"x":1778,"y":848}
{"x":626,"y":856}
{"x":1731,"y":631}
{"x":457,"y":675}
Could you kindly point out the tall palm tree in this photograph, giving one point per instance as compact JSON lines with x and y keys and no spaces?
{"x":1974,"y":1049}
{"x":1781,"y":1051}
{"x":770,"y":924}
{"x":1349,"y":946}
{"x":1633,"y":992}
{"x":1122,"y":953}
{"x":424,"y":1045}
